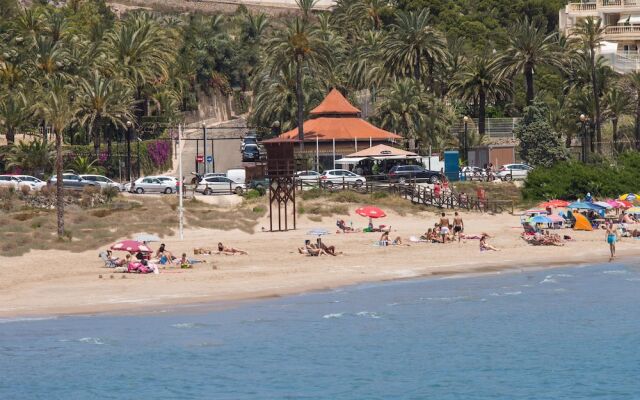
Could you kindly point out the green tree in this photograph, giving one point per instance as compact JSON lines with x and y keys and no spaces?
{"x":633,"y":80}
{"x":617,"y":103}
{"x":590,"y":32}
{"x":480,"y":81}
{"x":539,"y":144}
{"x":15,"y":113}
{"x":34,"y":157}
{"x":529,"y":47}
{"x":84,"y":165}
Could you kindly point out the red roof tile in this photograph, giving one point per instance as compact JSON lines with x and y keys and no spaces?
{"x":335,"y":103}
{"x":342,"y":128}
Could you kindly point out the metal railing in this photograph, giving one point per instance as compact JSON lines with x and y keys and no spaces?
{"x":595,"y":5}
{"x":494,"y":127}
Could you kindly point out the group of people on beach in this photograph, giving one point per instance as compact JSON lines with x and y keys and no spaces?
{"x":317,"y":249}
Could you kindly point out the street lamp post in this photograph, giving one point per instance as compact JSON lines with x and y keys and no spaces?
{"x":138,"y":154}
{"x":204,"y":147}
{"x":465,"y":156}
{"x":583,"y":120}
{"x":129,"y":126}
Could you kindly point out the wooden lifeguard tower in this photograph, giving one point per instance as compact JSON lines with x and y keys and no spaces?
{"x":282,"y":190}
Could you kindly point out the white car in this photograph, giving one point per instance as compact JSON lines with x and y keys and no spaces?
{"x":339,"y":176}
{"x":510,"y":172}
{"x":9,"y":181}
{"x":307,"y":176}
{"x":210,"y":174}
{"x":151,"y":184}
{"x":31,"y":182}
{"x":102,"y":181}
{"x":219,"y":184}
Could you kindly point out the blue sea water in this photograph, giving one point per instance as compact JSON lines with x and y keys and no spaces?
{"x":570,"y":333}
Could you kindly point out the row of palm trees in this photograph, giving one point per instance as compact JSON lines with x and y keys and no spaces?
{"x":413,"y":73}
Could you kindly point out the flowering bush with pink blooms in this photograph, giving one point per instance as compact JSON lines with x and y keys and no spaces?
{"x":159,"y":152}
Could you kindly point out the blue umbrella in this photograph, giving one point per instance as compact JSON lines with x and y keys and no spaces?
{"x":583,"y":205}
{"x":541,"y":219}
{"x":318,"y":232}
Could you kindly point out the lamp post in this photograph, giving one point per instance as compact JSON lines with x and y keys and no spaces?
{"x":583,"y":120}
{"x":138,"y":153}
{"x":465,"y":155}
{"x":129,"y":126}
{"x":204,"y":147}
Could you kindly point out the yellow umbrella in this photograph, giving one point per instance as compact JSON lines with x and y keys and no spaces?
{"x":629,"y":197}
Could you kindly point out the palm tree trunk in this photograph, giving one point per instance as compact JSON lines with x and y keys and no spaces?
{"x":614,"y":130}
{"x":596,"y":99}
{"x":416,"y":68}
{"x":59,"y":191}
{"x":528,"y":76}
{"x":96,"y":143}
{"x":11,"y":136}
{"x":482,"y":113}
{"x":300,"y":101}
{"x":637,"y":136}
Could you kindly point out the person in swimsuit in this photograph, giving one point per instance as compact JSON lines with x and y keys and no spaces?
{"x":484,"y":246}
{"x":612,"y":238}
{"x":444,"y":227}
{"x":458,"y":226}
{"x":229,"y":250}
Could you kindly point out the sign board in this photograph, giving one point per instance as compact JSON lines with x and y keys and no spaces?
{"x":199,"y":158}
{"x":209,"y":159}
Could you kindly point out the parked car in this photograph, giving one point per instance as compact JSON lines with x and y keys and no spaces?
{"x":248,"y":140}
{"x":473,"y":174}
{"x":168,"y":179}
{"x":338,"y":176}
{"x":404,"y":173}
{"x":238,"y":175}
{"x":219,"y":184}
{"x":31,"y":181}
{"x":251,"y":152}
{"x":307,"y":176}
{"x":209,"y":174}
{"x":510,"y":172}
{"x":103,"y":181}
{"x":259,"y":184}
{"x":9,"y":181}
{"x":151,"y":184}
{"x":72,"y":181}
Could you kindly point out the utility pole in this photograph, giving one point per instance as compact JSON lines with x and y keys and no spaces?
{"x":204,"y":147}
{"x":129,"y":173}
{"x":181,"y":186}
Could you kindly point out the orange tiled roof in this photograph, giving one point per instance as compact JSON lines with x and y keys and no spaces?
{"x":342,"y":128}
{"x":335,"y":103}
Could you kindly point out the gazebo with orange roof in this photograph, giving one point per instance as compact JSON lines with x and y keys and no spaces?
{"x":336,"y":129}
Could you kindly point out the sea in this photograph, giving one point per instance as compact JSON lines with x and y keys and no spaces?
{"x":563,"y":333}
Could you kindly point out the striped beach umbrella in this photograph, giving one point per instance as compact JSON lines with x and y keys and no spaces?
{"x":131,"y":245}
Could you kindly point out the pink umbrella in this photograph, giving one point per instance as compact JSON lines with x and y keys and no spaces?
{"x":616,"y":204}
{"x":131,"y":245}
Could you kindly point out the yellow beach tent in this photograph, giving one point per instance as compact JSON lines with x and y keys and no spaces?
{"x":582,"y":223}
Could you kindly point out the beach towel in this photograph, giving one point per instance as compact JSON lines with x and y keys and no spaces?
{"x":416,"y":239}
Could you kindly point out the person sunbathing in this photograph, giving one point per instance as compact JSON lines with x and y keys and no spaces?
{"x":484,"y":246}
{"x":164,"y":255}
{"x":343,"y":226}
{"x":331,"y":250}
{"x":310,"y":250}
{"x":230,"y":250}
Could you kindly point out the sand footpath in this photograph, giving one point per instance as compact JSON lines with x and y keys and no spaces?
{"x":60,"y":282}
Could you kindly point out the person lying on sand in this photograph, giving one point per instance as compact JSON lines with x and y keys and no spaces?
{"x":310,"y":250}
{"x":222,"y":249}
{"x":343,"y":226}
{"x":331,"y":250}
{"x":484,"y":246}
{"x":201,"y":250}
{"x":384,"y":240}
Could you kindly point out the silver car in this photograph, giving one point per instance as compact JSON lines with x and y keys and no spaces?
{"x":152,"y":184}
{"x":102,"y":181}
{"x":219,"y":184}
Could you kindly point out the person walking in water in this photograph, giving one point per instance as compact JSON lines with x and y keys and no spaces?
{"x":612,"y":238}
{"x":458,"y":226}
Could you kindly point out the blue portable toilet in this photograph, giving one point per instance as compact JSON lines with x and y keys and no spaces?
{"x":452,"y":165}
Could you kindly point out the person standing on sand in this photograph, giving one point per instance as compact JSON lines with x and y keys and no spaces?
{"x":612,"y":238}
{"x":458,"y":226}
{"x":444,"y":227}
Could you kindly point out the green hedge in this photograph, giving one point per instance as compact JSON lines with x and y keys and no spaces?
{"x":572,"y":179}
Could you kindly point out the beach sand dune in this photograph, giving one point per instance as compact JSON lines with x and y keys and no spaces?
{"x":60,"y":282}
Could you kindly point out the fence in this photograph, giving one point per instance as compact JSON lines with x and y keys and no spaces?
{"x":501,"y":128}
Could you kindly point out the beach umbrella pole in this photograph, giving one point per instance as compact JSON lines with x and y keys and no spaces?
{"x":181,"y":186}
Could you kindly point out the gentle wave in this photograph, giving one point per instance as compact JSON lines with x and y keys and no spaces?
{"x":11,"y":320}
{"x":368,"y":314}
{"x":334,"y":315}
{"x":517,"y":293}
{"x":615,"y":272}
{"x":188,"y":325}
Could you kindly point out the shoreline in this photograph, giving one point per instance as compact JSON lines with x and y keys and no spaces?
{"x":213,"y":303}
{"x":60,"y":283}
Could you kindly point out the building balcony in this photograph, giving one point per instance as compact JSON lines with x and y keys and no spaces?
{"x":581,"y":7}
{"x":616,"y":32}
{"x":603,"y":6}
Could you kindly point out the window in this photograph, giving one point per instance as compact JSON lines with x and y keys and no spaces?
{"x":89,"y":178}
{"x":147,"y":180}
{"x":5,"y":178}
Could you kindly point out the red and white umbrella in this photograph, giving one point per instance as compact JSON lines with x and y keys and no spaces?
{"x":371,"y":212}
{"x":131,"y":245}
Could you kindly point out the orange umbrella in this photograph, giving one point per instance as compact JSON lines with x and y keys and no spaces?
{"x":554,"y":203}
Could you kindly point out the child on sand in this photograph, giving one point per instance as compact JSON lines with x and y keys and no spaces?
{"x":484,"y":246}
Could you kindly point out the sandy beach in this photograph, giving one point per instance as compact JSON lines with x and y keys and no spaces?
{"x":61,"y":282}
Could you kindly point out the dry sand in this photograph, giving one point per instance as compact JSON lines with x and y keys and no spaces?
{"x":59,"y":282}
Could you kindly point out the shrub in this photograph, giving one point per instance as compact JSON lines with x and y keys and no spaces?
{"x":252,"y":194}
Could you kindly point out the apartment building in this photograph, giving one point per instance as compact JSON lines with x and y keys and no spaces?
{"x":621,"y":19}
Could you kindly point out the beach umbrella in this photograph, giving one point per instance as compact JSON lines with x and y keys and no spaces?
{"x":371,"y":212}
{"x":603,"y":204}
{"x":554,"y":203}
{"x":131,"y":245}
{"x":616,"y":203}
{"x":535,"y":211}
{"x":145,"y":237}
{"x":540,"y":219}
{"x":627,"y":204}
{"x":555,"y":219}
{"x":584,"y":205}
{"x":628,"y":197}
{"x":318,"y":232}
{"x":633,"y":210}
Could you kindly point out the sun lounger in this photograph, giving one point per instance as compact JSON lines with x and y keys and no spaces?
{"x":107,"y":262}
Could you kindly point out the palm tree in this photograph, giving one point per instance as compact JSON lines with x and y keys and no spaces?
{"x":84,"y":165}
{"x":34,"y":157}
{"x":401,"y":109}
{"x":301,"y":45}
{"x":103,"y":100}
{"x":633,"y":80}
{"x":591,"y":32}
{"x":370,"y":11}
{"x":529,"y":47}
{"x":59,"y":110}
{"x":306,"y":7}
{"x":480,"y":81}
{"x":616,"y":104}
{"x":413,"y":46}
{"x":14,"y":114}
